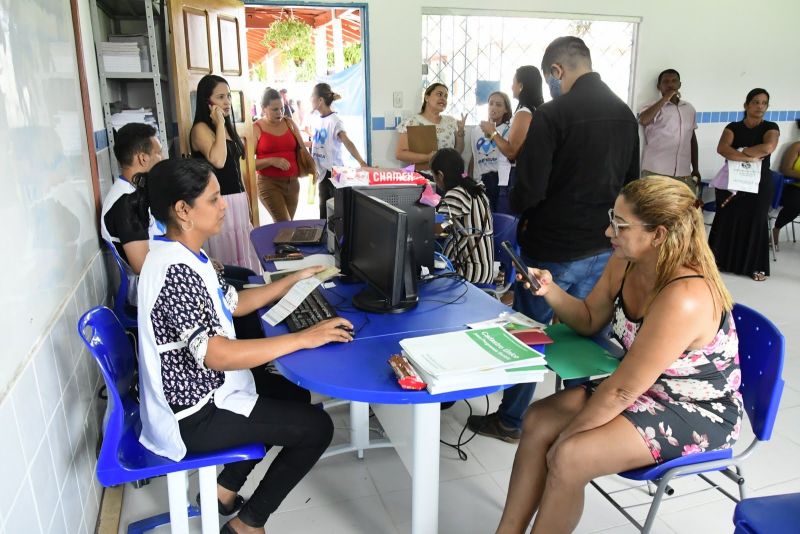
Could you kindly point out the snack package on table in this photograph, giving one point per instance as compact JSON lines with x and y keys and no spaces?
{"x":406,"y":375}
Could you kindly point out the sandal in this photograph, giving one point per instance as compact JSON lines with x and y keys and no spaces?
{"x":758,"y":276}
{"x":237,"y":505}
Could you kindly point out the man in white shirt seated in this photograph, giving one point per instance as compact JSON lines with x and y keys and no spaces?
{"x":137,"y":149}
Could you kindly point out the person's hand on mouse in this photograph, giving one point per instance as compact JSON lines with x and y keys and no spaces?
{"x":337,"y":329}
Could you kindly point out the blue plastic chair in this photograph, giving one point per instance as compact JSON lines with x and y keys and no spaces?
{"x":777,"y":194}
{"x":765,"y":515}
{"x":124,"y":311}
{"x":779,"y":180}
{"x":761,"y":348}
{"x":122,"y":458}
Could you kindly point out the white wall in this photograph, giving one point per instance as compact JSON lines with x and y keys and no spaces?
{"x":52,"y":272}
{"x":721,"y":48}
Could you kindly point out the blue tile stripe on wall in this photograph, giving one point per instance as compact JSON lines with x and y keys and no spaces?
{"x":379,"y":123}
{"x":704,"y":117}
{"x":100,"y":140}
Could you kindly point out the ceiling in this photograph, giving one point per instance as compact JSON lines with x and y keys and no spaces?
{"x":259,"y":18}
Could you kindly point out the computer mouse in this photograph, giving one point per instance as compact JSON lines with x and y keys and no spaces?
{"x":284,"y":249}
{"x":347,"y":329}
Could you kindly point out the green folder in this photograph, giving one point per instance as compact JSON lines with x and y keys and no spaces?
{"x":572,"y":355}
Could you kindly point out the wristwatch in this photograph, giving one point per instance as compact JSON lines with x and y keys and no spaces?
{"x":492,"y":135}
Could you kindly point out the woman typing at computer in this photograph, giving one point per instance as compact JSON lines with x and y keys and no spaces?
{"x":196,"y":390}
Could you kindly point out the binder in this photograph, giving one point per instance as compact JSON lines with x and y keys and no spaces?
{"x":422,"y":139}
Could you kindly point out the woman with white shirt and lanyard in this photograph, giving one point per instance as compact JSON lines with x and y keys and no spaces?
{"x":196,"y":389}
{"x":527,"y":89}
{"x":485,"y":155}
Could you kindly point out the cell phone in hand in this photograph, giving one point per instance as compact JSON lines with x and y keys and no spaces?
{"x":520,"y":266}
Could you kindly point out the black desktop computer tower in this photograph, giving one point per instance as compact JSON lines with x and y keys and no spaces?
{"x":421,"y":220}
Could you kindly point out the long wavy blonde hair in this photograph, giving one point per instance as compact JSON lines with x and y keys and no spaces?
{"x":663,"y":201}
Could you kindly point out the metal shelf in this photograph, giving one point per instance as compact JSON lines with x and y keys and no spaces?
{"x":126,"y":9}
{"x":133,"y":76}
{"x":121,"y":10}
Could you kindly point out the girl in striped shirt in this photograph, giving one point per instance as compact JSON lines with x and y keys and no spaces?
{"x":471,"y":246}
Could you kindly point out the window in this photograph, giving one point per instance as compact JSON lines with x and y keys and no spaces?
{"x":475,"y":55}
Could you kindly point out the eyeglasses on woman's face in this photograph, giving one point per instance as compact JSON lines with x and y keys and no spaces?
{"x":616,"y":226}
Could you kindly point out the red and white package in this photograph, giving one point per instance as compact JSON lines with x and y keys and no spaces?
{"x":406,"y":375}
{"x":347,"y":176}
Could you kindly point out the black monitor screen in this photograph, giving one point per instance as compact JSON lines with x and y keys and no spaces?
{"x":379,"y":239}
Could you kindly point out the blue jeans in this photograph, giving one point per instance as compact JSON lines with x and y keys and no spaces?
{"x":576,"y":278}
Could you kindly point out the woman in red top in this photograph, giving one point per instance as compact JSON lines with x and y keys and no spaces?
{"x":276,"y":159}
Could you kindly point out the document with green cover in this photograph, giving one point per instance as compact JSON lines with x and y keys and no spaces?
{"x":468,"y":351}
{"x":572,"y":355}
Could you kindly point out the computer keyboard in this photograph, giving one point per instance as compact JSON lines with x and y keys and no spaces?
{"x":313,"y":309}
{"x":304,"y":234}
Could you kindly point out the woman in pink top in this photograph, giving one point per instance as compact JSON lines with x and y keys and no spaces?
{"x":276,"y":159}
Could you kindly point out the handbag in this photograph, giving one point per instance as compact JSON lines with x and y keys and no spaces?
{"x":746,"y":176}
{"x":305,"y":163}
{"x":720,"y":181}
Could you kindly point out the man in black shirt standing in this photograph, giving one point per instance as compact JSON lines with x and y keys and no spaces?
{"x":581,"y":148}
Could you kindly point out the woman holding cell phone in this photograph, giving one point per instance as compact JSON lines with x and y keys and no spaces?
{"x":213,"y":138}
{"x":675,"y":392}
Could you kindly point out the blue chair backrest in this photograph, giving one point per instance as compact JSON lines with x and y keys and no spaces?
{"x":505,"y":229}
{"x":761,"y":350}
{"x":777,"y":194}
{"x":121,"y":298}
{"x":106,"y":339}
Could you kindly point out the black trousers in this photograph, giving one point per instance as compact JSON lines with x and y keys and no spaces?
{"x":790,"y":199}
{"x":326,"y":190}
{"x":282,"y":416}
{"x":491,"y":180}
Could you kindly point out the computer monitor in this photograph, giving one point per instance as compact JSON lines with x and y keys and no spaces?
{"x":382,"y":255}
{"x":421,"y":220}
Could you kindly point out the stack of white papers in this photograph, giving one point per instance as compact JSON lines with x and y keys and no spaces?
{"x":126,"y":116}
{"x":472,"y":359}
{"x":120,"y":57}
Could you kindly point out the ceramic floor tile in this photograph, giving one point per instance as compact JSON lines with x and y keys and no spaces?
{"x":359,"y":516}
{"x":788,"y":423}
{"x":659,"y":527}
{"x":338,"y":478}
{"x":387,"y":470}
{"x":711,"y":517}
{"x":471,"y":504}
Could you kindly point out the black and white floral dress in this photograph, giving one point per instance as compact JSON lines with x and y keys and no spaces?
{"x":695,"y":404}
{"x":183,"y":303}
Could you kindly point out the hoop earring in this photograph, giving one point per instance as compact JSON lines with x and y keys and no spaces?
{"x":191,"y":226}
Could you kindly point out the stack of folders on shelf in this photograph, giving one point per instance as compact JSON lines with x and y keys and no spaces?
{"x":126,"y":116}
{"x":472,"y":359}
{"x":120,"y":57}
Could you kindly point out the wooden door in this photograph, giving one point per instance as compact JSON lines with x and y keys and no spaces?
{"x":208,"y":37}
